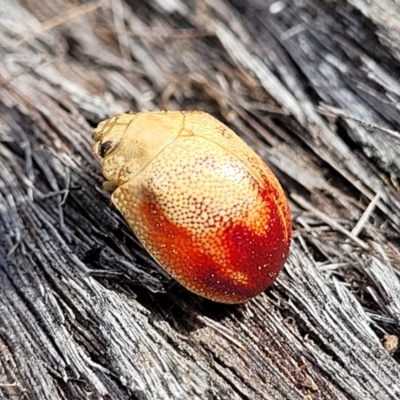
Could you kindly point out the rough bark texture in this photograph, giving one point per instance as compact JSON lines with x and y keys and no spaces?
{"x":312,"y":86}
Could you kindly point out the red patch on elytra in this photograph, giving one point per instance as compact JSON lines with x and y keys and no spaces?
{"x":256,"y":258}
{"x":176,"y":249}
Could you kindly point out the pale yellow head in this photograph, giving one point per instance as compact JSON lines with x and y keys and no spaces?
{"x":128,"y":142}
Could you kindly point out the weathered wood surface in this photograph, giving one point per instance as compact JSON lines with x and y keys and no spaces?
{"x":85,"y":313}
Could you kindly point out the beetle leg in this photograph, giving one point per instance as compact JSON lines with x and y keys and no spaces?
{"x":110,"y":186}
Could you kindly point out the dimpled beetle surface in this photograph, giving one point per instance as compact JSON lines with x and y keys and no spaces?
{"x":203,"y":204}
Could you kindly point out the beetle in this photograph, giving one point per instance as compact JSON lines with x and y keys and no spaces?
{"x":203,"y":204}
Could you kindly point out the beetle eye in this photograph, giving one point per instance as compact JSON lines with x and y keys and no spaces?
{"x":104,"y":147}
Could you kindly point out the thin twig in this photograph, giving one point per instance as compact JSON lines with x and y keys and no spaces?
{"x":327,"y":109}
{"x":59,"y":20}
{"x":331,"y":222}
{"x":367,"y":213}
{"x":123,"y":39}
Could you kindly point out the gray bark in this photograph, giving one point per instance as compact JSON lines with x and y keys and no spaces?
{"x":312,"y":86}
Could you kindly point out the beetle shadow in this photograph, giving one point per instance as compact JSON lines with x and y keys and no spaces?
{"x":165,"y":298}
{"x":122,"y":264}
{"x":184,"y":310}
